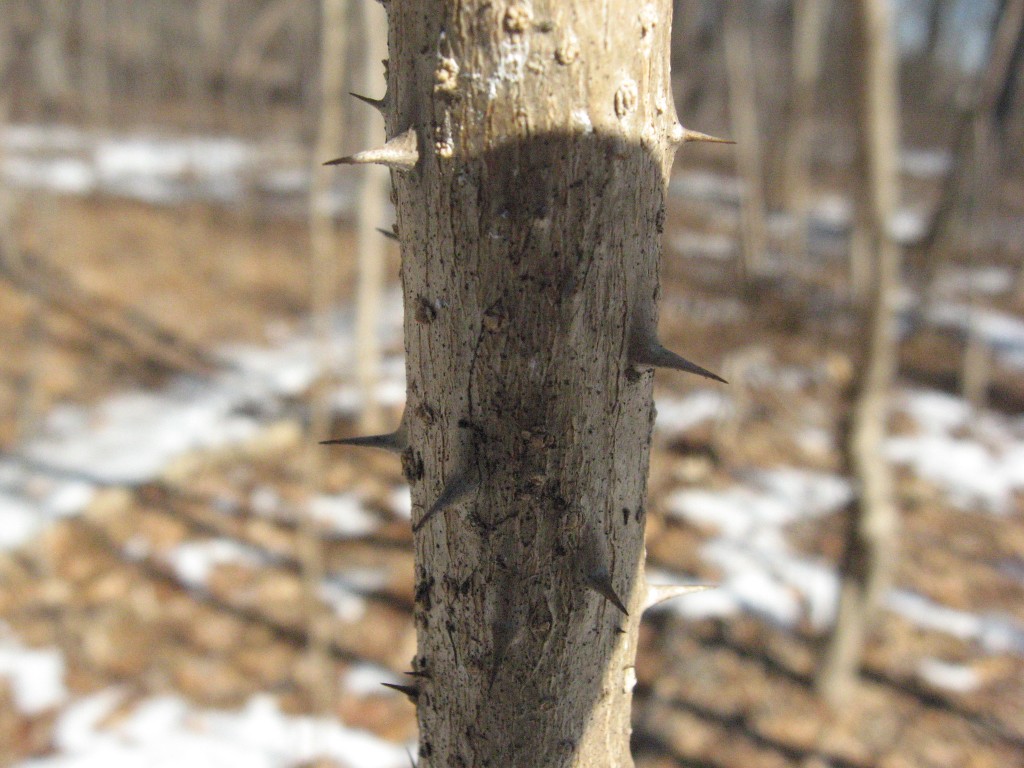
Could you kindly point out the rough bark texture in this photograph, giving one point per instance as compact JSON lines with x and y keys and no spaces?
{"x":530,"y":234}
{"x":871,"y":544}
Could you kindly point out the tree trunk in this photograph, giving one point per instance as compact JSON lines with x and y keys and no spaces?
{"x":323,"y":234}
{"x":530,"y":144}
{"x":743,"y":119}
{"x":808,"y":27}
{"x":981,"y":106}
{"x":933,"y":30}
{"x":868,"y":561}
{"x":373,"y":191}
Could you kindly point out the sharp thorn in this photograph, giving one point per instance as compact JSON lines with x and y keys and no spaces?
{"x":395,"y":442}
{"x":456,"y":489}
{"x":411,"y":761}
{"x":689,"y":135}
{"x":401,"y":153}
{"x":411,"y":691}
{"x":415,"y":673}
{"x":681,"y":135}
{"x":601,"y":583}
{"x":378,"y":104}
{"x":659,"y":593}
{"x":648,"y":352}
{"x":388,"y":234}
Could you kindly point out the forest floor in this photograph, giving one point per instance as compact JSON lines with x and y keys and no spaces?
{"x":151,"y":598}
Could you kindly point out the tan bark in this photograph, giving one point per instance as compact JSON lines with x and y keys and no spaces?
{"x":323,"y":285}
{"x":872,"y":518}
{"x":530,"y":144}
{"x":373,"y":191}
{"x":743,"y":117}
{"x":94,"y":22}
{"x":48,"y":52}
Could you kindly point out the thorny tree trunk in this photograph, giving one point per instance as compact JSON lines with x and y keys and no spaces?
{"x":530,"y":144}
{"x":871,"y":539}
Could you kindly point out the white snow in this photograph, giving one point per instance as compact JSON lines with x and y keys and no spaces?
{"x":984,"y":280}
{"x":715,"y":246}
{"x":193,"y":561}
{"x":1003,"y":332}
{"x":365,"y":679}
{"x":20,"y":522}
{"x":344,"y":591}
{"x":908,"y":225}
{"x":166,"y":731}
{"x":925,"y":162}
{"x":952,"y":677}
{"x":977,"y":459}
{"x":35,"y":675}
{"x":676,"y":415}
{"x":133,"y":436}
{"x":344,"y":514}
{"x":348,"y":605}
{"x":995,"y":633}
{"x":706,"y":185}
{"x":160,"y":169}
{"x":400,"y":501}
{"x":759,"y":573}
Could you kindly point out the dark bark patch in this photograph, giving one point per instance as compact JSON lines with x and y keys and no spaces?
{"x":426,"y":311}
{"x":426,"y":414}
{"x":412,"y":465}
{"x":422,"y":594}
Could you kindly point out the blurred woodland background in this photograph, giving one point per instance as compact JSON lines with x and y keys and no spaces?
{"x":189,"y":301}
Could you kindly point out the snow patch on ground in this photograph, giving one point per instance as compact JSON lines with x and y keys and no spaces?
{"x":162,"y":170}
{"x":132,"y":437}
{"x":344,"y":515}
{"x":951,"y":677}
{"x":759,"y":572}
{"x":986,"y":280}
{"x":35,"y":675}
{"x":994,"y":632}
{"x":400,"y":501}
{"x":345,"y":591}
{"x":976,"y":458}
{"x":194,"y":561}
{"x":714,"y":246}
{"x":1002,"y":332}
{"x":925,"y":162}
{"x":365,"y":679}
{"x":676,"y":415}
{"x":166,"y":731}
